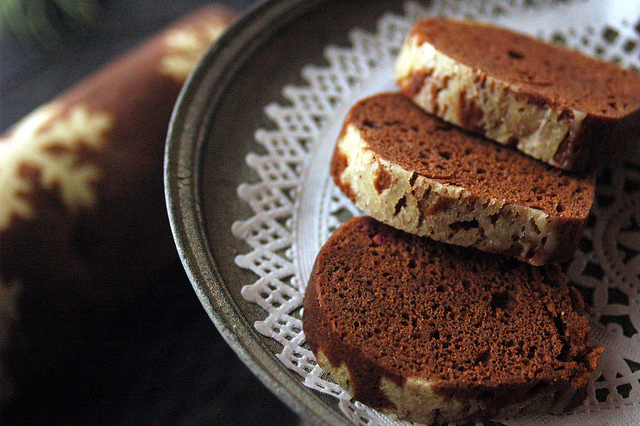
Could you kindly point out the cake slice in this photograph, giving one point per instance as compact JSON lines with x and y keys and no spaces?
{"x":437,"y":333}
{"x":419,"y":174}
{"x":552,"y":103}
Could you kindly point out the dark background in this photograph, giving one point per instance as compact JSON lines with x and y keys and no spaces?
{"x":159,"y":360}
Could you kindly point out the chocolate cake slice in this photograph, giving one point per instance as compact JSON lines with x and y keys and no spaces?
{"x":555,"y":104}
{"x":437,"y":333}
{"x":419,"y":174}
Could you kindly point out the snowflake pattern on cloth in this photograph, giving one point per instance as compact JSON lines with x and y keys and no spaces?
{"x":185,"y":47}
{"x":47,"y":140}
{"x":296,"y":206}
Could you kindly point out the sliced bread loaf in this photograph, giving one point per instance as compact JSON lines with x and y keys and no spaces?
{"x":432,"y":332}
{"x":555,"y":104}
{"x":419,"y":174}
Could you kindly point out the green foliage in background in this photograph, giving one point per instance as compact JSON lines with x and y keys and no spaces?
{"x":48,"y":23}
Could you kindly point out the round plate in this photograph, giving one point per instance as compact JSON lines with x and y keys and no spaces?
{"x":239,"y":100}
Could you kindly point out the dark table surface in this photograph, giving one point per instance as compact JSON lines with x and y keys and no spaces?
{"x":159,"y":360}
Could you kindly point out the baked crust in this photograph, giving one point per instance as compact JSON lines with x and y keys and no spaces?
{"x":436,"y":333}
{"x":554,"y":104}
{"x":423,"y":176}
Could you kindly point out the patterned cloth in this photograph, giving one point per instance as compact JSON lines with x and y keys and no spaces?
{"x":95,"y":310}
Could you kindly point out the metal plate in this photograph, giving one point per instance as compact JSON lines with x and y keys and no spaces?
{"x":214,"y":128}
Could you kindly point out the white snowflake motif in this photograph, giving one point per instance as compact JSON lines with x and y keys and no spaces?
{"x":31,"y":143}
{"x":185,"y":47}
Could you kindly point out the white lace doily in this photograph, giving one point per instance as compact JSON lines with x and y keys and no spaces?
{"x":296,"y":206}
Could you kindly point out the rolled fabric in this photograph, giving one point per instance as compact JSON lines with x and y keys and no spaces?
{"x":83,"y":224}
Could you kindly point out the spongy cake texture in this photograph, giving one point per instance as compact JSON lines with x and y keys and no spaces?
{"x":555,"y":74}
{"x":555,"y":104}
{"x":424,"y":176}
{"x":398,"y":131}
{"x":483,"y":335}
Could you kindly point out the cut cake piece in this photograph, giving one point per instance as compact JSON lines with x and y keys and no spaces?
{"x":419,"y":174}
{"x":437,"y":333}
{"x":554,"y":104}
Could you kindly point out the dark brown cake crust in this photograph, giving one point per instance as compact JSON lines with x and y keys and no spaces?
{"x":597,"y":87}
{"x":387,"y":303}
{"x":570,"y":79}
{"x":398,"y":131}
